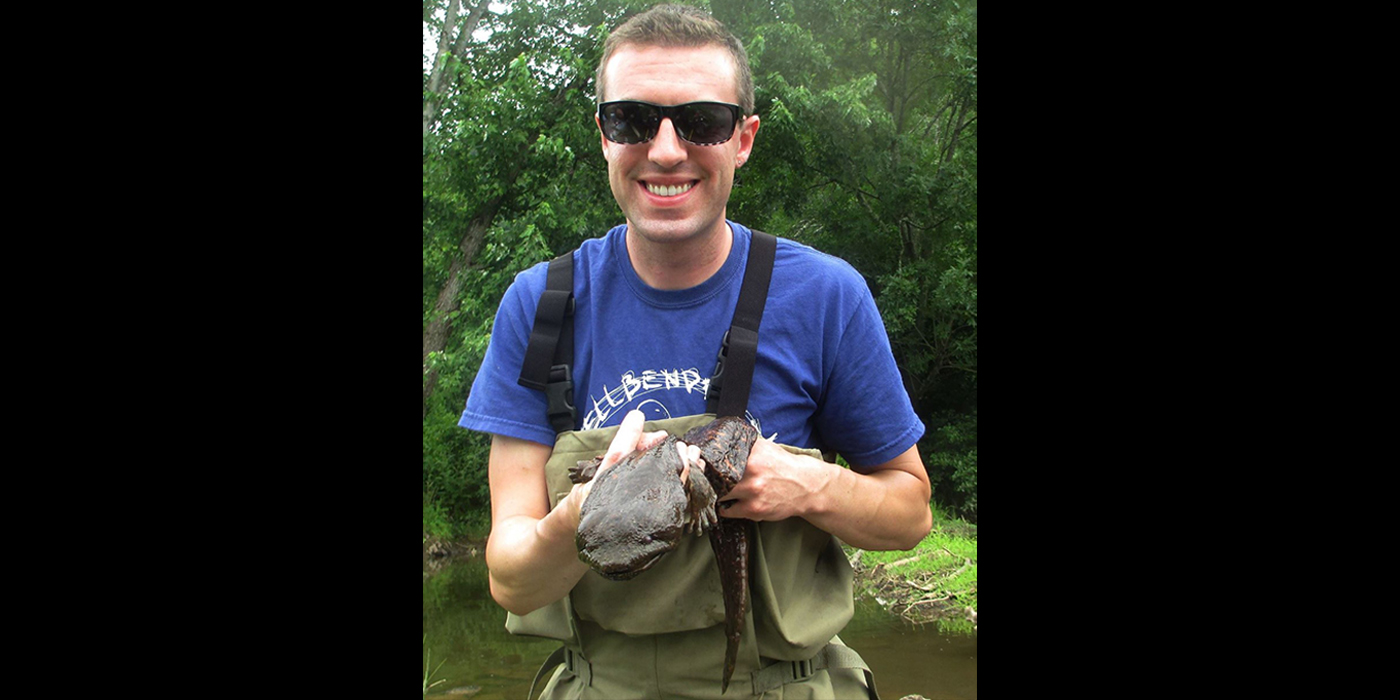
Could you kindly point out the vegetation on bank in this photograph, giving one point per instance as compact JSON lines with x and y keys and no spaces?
{"x":440,"y":525}
{"x":934,"y":582}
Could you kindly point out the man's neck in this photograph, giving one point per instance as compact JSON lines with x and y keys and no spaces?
{"x":679,"y":264}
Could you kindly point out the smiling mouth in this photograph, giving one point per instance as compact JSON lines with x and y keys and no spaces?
{"x":668,"y":190}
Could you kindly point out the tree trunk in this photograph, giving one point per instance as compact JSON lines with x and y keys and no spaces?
{"x":435,"y":336}
{"x":432,"y":101}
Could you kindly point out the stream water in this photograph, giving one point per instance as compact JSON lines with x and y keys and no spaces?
{"x":466,"y":645}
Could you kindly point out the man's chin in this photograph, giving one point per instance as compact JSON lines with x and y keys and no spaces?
{"x":660,"y":230}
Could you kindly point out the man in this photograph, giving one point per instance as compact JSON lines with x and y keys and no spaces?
{"x":653,"y":299}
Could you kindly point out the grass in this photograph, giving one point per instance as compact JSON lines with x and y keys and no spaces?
{"x":428,"y":659}
{"x":438,"y":524}
{"x":935,"y":582}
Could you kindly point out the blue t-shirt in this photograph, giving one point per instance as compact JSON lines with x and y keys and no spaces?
{"x":824,"y":376}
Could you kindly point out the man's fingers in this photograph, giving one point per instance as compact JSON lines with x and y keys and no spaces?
{"x":629,"y":439}
{"x":650,"y":440}
{"x":690,"y":457}
{"x":628,"y":434}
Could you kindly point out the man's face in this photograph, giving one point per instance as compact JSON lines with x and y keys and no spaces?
{"x":670,"y":189}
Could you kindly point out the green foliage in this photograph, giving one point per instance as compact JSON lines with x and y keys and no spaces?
{"x":951,"y":458}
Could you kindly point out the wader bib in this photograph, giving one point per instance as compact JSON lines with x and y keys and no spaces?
{"x":661,"y":634}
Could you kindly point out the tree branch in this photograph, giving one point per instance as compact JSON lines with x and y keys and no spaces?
{"x":433,"y":100}
{"x":459,"y":49}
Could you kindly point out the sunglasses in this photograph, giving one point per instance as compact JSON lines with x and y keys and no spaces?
{"x":701,"y":123}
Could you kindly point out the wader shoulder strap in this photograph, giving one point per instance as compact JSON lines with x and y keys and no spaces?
{"x":728,"y":394}
{"x":549,"y":357}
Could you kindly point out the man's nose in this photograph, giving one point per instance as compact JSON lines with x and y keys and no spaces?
{"x":666,"y":149}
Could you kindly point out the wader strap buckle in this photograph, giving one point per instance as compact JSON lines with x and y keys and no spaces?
{"x":780,"y":673}
{"x":717,"y":379}
{"x":802,"y":670}
{"x":573,"y":663}
{"x":560,"y":393}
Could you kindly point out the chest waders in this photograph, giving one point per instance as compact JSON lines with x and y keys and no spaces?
{"x":661,"y":634}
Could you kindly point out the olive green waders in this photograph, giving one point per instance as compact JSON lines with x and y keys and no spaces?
{"x":661,"y":634}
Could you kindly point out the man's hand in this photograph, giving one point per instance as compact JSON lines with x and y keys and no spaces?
{"x":880,"y":507}
{"x":629,"y":439}
{"x":777,"y":484}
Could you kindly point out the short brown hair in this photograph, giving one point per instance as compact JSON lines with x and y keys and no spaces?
{"x":680,"y":26}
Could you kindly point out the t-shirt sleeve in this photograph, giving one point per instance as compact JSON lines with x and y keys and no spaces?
{"x":866,"y":414}
{"x":497,"y":403}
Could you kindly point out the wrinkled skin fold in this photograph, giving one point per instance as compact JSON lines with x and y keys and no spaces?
{"x":640,"y":508}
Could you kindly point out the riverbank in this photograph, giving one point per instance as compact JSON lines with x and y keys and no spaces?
{"x":936,"y":582}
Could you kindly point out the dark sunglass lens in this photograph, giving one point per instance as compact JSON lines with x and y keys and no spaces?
{"x":629,"y":122}
{"x":701,"y":123}
{"x":705,"y":123}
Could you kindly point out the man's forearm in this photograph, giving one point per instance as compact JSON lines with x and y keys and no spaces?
{"x":533,"y":562}
{"x":885,"y":510}
{"x":531,"y":554}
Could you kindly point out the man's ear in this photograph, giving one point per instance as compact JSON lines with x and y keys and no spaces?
{"x":747,"y":132}
{"x":601,"y":139}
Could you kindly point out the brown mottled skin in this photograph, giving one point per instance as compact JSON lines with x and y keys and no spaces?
{"x":640,"y":508}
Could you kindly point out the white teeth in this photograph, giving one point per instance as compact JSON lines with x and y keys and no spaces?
{"x":668,"y":190}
